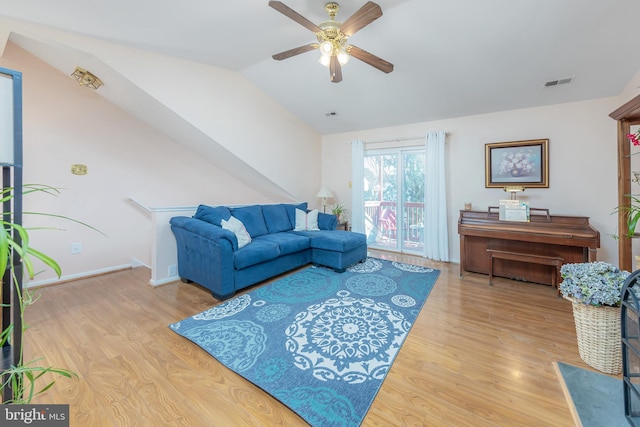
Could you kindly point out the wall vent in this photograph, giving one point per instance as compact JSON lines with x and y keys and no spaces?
{"x":564,"y":81}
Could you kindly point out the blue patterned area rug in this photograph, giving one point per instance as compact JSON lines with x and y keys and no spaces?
{"x":319,"y":341}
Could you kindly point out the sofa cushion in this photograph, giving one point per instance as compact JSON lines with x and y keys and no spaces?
{"x":306,"y":220}
{"x":212,"y":215}
{"x":288,"y":243}
{"x":255,"y":253}
{"x":334,"y":240}
{"x":327,"y":221}
{"x":291,"y":211}
{"x":251,"y":217}
{"x":276,"y":218}
{"x":237,"y":227}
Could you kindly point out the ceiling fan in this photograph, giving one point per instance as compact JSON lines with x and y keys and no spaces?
{"x":332,"y":37}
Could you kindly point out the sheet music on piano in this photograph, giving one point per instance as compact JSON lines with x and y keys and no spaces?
{"x":513,"y":210}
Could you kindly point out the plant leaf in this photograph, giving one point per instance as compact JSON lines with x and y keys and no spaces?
{"x":4,"y":250}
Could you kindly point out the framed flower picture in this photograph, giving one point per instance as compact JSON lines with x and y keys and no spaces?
{"x":524,"y":163}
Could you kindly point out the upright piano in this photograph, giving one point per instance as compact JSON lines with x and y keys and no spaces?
{"x":570,"y":237}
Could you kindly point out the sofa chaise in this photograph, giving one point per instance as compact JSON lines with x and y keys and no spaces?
{"x":226,"y":249}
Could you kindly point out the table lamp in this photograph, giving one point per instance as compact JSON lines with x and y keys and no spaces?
{"x":325,"y":193}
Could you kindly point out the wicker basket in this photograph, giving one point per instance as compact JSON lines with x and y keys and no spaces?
{"x":599,"y":339}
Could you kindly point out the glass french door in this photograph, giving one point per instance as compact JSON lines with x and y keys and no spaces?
{"x":394,"y":199}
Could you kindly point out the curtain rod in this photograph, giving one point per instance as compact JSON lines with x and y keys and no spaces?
{"x":410,"y":138}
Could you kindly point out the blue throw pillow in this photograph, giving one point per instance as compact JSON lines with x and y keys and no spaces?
{"x":251,"y":217}
{"x":291,"y":212}
{"x":327,"y":221}
{"x":276,"y":218}
{"x":212,"y":215}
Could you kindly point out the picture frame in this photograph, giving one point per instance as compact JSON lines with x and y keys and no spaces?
{"x":517,"y":163}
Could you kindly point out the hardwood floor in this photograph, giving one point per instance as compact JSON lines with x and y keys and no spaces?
{"x":477,"y":355}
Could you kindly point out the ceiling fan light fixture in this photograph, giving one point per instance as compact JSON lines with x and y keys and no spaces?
{"x":326,"y":47}
{"x":343,"y":57}
{"x":332,"y":37}
{"x":325,"y":60}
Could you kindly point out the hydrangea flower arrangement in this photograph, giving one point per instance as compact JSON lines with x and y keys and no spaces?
{"x":517,"y":163}
{"x":594,"y":283}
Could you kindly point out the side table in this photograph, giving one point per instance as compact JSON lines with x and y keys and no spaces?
{"x":343,"y":226}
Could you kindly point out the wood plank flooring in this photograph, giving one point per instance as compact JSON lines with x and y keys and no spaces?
{"x":478,"y":355}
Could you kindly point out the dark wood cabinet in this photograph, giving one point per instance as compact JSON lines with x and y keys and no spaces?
{"x":571,"y":238}
{"x":627,"y":115}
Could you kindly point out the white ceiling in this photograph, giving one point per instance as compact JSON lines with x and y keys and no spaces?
{"x":452,"y":58}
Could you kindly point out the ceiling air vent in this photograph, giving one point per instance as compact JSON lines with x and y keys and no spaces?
{"x":331,"y":114}
{"x":559,"y":82}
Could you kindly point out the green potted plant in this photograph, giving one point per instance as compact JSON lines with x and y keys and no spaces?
{"x":631,"y":213}
{"x":594,"y":289}
{"x":338,"y":210}
{"x":22,"y":376}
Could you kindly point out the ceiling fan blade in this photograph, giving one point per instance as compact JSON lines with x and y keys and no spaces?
{"x":295,"y":51}
{"x":361,"y":18}
{"x":335,"y":69}
{"x":371,"y":59}
{"x":287,"y":11}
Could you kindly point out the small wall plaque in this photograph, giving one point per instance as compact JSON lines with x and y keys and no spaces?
{"x":79,"y":169}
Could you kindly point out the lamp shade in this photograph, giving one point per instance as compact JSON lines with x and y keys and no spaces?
{"x":324,"y":192}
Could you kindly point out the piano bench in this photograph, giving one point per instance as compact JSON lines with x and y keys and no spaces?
{"x":529,"y":257}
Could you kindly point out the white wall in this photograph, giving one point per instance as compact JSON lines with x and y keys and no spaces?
{"x":582,"y":162}
{"x":66,"y":124}
{"x":631,"y":89}
{"x":210,"y":110}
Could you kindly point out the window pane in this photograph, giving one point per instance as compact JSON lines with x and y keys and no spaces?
{"x":394,"y":199}
{"x":380,"y":195}
{"x":413,"y":201}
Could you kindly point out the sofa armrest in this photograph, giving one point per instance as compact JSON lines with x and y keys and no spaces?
{"x":205,"y":229}
{"x":205,"y":255}
{"x":327,"y":221}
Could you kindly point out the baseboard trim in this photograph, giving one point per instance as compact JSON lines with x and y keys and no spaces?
{"x":77,"y":276}
{"x":137,"y":263}
{"x":164,"y":281}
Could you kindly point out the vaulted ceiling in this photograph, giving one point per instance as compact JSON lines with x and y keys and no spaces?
{"x":452,"y":58}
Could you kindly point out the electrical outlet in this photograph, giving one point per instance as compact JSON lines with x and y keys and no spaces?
{"x":173,"y":270}
{"x":76,"y":248}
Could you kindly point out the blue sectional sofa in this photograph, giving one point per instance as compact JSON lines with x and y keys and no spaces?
{"x":213,"y":250}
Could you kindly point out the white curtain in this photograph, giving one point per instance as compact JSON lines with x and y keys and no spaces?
{"x":357,"y":186}
{"x":436,"y":230}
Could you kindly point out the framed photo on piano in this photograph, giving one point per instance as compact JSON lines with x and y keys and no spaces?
{"x":524,"y":163}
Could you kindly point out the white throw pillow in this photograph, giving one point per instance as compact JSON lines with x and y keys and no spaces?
{"x":237,"y":227}
{"x":306,"y":221}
